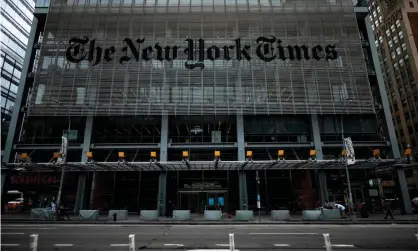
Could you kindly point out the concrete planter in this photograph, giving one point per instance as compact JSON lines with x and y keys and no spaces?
{"x":89,"y":215}
{"x":213,"y":215}
{"x":148,"y":215}
{"x":244,"y":215}
{"x":330,"y":214}
{"x":311,"y":214}
{"x":40,"y":214}
{"x":120,"y":214}
{"x":181,"y":215}
{"x":280,"y":215}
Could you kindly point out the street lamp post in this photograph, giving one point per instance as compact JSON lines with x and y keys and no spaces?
{"x":258,"y":196}
{"x":350,"y":195}
{"x":65,"y":157}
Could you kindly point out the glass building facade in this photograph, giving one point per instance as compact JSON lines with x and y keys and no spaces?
{"x":16,"y":23}
{"x":130,"y":77}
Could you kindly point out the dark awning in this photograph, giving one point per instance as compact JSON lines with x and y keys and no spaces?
{"x":199,"y":165}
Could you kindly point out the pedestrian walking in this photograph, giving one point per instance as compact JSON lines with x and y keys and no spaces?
{"x":387,"y":208}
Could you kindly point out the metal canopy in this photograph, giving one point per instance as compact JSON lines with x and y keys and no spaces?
{"x":199,"y":165}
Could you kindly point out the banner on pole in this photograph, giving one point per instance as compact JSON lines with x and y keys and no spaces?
{"x":63,"y":150}
{"x":349,"y":149}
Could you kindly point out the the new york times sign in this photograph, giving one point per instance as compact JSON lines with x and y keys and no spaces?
{"x":268,"y":50}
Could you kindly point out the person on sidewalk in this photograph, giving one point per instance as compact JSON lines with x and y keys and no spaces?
{"x":341,"y":208}
{"x":363,"y":210}
{"x":387,"y":209}
{"x":170,"y":209}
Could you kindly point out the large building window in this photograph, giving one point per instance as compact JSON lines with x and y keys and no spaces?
{"x":277,"y":129}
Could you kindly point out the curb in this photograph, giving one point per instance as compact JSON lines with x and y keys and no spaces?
{"x":75,"y":222}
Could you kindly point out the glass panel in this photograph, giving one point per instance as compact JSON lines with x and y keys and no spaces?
{"x":40,"y":94}
{"x":81,"y":94}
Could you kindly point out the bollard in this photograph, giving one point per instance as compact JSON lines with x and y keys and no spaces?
{"x":231,"y":242}
{"x":131,"y":242}
{"x":328,"y":246}
{"x":114,"y":216}
{"x":34,"y":242}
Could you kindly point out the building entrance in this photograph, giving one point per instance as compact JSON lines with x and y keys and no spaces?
{"x":199,"y":201}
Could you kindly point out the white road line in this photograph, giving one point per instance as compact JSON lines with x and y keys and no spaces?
{"x":63,"y":245}
{"x":210,"y":250}
{"x":281,"y":245}
{"x":13,"y":233}
{"x":284,"y":233}
{"x":119,"y":245}
{"x":222,"y":245}
{"x":34,"y":228}
{"x":342,"y":246}
{"x":10,"y":245}
{"x":176,"y":245}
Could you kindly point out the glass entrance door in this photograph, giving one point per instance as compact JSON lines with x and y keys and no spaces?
{"x":193,"y":201}
{"x":198,"y":202}
{"x":216,"y":200}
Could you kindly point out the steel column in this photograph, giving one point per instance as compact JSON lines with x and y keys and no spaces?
{"x":321,"y":176}
{"x":242,"y":177}
{"x":20,"y":93}
{"x":87,"y":138}
{"x":81,"y":188}
{"x":240,"y":138}
{"x":403,"y":187}
{"x":162,"y":186}
{"x":3,"y":179}
{"x":93,"y":188}
{"x":388,"y":117}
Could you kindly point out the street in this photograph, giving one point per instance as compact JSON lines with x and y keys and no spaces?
{"x":87,"y":237}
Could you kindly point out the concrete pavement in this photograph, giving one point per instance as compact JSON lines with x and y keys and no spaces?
{"x":191,"y":237}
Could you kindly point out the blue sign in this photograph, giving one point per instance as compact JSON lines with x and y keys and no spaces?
{"x":221,"y":201}
{"x":258,"y":197}
{"x":211,"y":201}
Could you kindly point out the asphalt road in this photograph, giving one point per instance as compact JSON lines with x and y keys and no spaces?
{"x":193,"y":237}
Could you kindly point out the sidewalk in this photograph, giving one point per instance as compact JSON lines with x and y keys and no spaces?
{"x":199,"y":220}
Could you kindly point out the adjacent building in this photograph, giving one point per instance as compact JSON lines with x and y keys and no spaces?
{"x":16,"y":20}
{"x":203,"y":103}
{"x":395,"y":25}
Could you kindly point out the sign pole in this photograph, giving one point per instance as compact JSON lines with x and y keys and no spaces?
{"x":350,"y":202}
{"x":258,"y":196}
{"x":64,"y":150}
